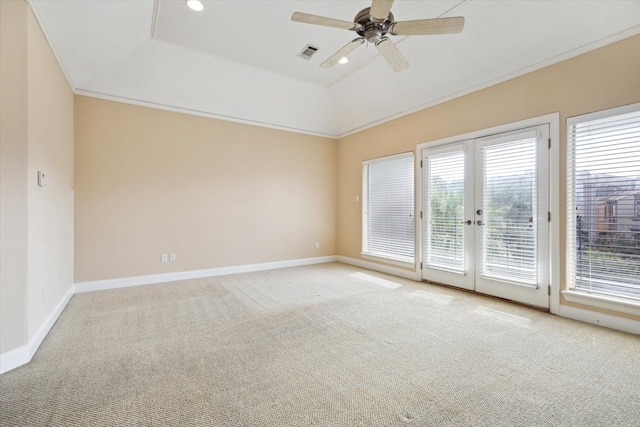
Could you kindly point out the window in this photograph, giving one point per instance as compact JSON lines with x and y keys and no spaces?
{"x":388,"y":208}
{"x":444,"y":238}
{"x":603,"y":194}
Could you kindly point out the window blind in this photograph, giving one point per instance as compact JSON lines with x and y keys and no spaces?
{"x":388,"y":208}
{"x":509,"y":205}
{"x":444,"y":242}
{"x":603,"y":200}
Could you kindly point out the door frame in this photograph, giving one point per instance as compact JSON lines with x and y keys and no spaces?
{"x":553,"y":121}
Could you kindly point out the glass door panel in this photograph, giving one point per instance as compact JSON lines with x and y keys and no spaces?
{"x":446,"y":219}
{"x":511,"y":220}
{"x":509,"y":206}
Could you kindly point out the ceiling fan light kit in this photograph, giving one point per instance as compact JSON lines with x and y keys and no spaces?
{"x":373,"y":23}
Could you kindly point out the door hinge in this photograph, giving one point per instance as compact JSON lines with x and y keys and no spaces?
{"x":420,"y":266}
{"x":548,"y":289}
{"x":549,"y":143}
{"x":549,"y":216}
{"x":420,"y":163}
{"x":420,"y":214}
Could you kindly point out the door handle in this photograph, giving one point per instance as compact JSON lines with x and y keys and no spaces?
{"x":468,"y":222}
{"x":479,"y":222}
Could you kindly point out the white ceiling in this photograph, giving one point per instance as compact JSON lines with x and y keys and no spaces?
{"x":237,"y":60}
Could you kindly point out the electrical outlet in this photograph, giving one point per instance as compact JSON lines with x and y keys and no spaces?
{"x":172,"y":257}
{"x":165,"y":258}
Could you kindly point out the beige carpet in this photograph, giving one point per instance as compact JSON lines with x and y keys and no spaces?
{"x":325,"y":345}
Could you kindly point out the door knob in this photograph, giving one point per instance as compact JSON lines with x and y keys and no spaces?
{"x":479,"y":212}
{"x":479,"y":222}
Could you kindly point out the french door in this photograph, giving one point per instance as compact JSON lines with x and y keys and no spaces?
{"x":485,"y":215}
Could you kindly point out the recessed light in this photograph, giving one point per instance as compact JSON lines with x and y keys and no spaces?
{"x":195,"y":5}
{"x":343,"y":60}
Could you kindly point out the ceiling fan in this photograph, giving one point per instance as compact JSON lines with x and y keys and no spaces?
{"x":373,"y":23}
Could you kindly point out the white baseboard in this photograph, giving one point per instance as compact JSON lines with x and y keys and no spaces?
{"x":394,"y":271}
{"x":19,"y":356}
{"x":13,"y":358}
{"x":99,"y":285}
{"x":600,"y":319}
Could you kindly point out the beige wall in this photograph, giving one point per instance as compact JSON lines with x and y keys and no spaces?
{"x":215,"y":193}
{"x":37,"y":135}
{"x":13,"y":178}
{"x":604,"y":78}
{"x":50,"y":216}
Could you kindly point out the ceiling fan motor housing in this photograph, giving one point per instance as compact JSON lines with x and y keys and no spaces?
{"x":372,"y":31}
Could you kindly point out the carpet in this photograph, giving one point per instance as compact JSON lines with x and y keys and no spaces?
{"x":321,"y":345}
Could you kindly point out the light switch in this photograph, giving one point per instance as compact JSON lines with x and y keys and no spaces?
{"x":41,"y":179}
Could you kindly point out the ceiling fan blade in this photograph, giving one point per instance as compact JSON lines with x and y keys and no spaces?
{"x":380,"y":10}
{"x":325,"y":22}
{"x":391,"y":53}
{"x":345,"y":51}
{"x":427,"y":26}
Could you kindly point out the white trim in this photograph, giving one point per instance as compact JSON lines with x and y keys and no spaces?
{"x":13,"y":358}
{"x":417,"y":200}
{"x":606,"y":302}
{"x":19,"y":356}
{"x":388,"y":158}
{"x":554,"y":208}
{"x":388,"y":260}
{"x":600,"y":319}
{"x":51,"y":320}
{"x":602,"y":114}
{"x":407,"y":274}
{"x":99,"y":285}
{"x":488,"y":132}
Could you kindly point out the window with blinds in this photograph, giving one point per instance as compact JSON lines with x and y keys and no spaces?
{"x":509,"y":204}
{"x":604,"y":202}
{"x":444,"y":242}
{"x":388,"y":208}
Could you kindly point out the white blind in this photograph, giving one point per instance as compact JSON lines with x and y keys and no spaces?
{"x":604,"y":201}
{"x":444,"y":242}
{"x":388,"y":208}
{"x":509,"y":205}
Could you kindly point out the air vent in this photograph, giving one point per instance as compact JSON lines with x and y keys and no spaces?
{"x":308,"y":52}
